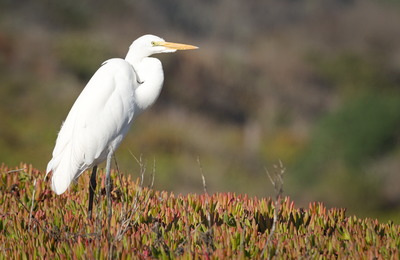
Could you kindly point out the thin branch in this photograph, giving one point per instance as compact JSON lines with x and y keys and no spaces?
{"x":124,"y":196}
{"x":142,"y":167}
{"x":127,"y":221}
{"x":208,"y":236}
{"x":32,"y":203}
{"x":17,"y":170}
{"x":153,"y":174}
{"x":202,"y":175}
{"x":277,"y":182}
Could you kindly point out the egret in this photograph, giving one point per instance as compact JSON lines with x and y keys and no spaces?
{"x":101,"y":116}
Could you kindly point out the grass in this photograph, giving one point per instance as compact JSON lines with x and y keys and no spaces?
{"x":35,"y":223}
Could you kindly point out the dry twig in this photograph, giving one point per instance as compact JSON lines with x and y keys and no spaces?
{"x":32,"y":203}
{"x":127,"y":216}
{"x":277,"y":182}
{"x":208,"y":237}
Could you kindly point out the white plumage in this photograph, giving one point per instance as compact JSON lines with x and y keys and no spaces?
{"x":102,"y":114}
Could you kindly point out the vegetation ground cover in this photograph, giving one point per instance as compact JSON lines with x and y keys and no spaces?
{"x":146,"y":223}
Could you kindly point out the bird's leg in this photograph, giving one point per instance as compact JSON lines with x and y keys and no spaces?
{"x":137,"y":77}
{"x":108,"y":186}
{"x":92,"y":189}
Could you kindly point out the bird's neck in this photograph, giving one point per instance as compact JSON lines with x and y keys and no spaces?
{"x":151,"y":74}
{"x":133,"y":58}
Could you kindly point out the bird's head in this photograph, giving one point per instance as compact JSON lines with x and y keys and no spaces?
{"x":148,"y":45}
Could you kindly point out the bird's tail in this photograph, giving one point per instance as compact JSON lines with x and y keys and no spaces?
{"x":63,"y":173}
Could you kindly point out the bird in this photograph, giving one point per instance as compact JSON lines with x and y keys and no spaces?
{"x":101,"y":116}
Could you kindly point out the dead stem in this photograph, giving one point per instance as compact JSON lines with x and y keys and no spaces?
{"x":32,"y":203}
{"x":277,"y":182}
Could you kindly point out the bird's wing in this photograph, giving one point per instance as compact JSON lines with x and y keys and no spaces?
{"x":96,"y":123}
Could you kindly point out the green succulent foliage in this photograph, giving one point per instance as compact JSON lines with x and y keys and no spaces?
{"x":153,"y":224}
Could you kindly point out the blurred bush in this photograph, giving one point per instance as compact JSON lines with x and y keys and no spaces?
{"x":81,"y":55}
{"x":363,"y":128}
{"x":346,"y":142}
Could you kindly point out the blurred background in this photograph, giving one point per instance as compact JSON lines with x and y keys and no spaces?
{"x":315,"y":84}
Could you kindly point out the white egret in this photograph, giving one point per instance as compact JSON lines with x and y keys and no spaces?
{"x":101,"y":116}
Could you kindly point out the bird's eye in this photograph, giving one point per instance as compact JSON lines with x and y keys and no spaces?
{"x":153,"y":43}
